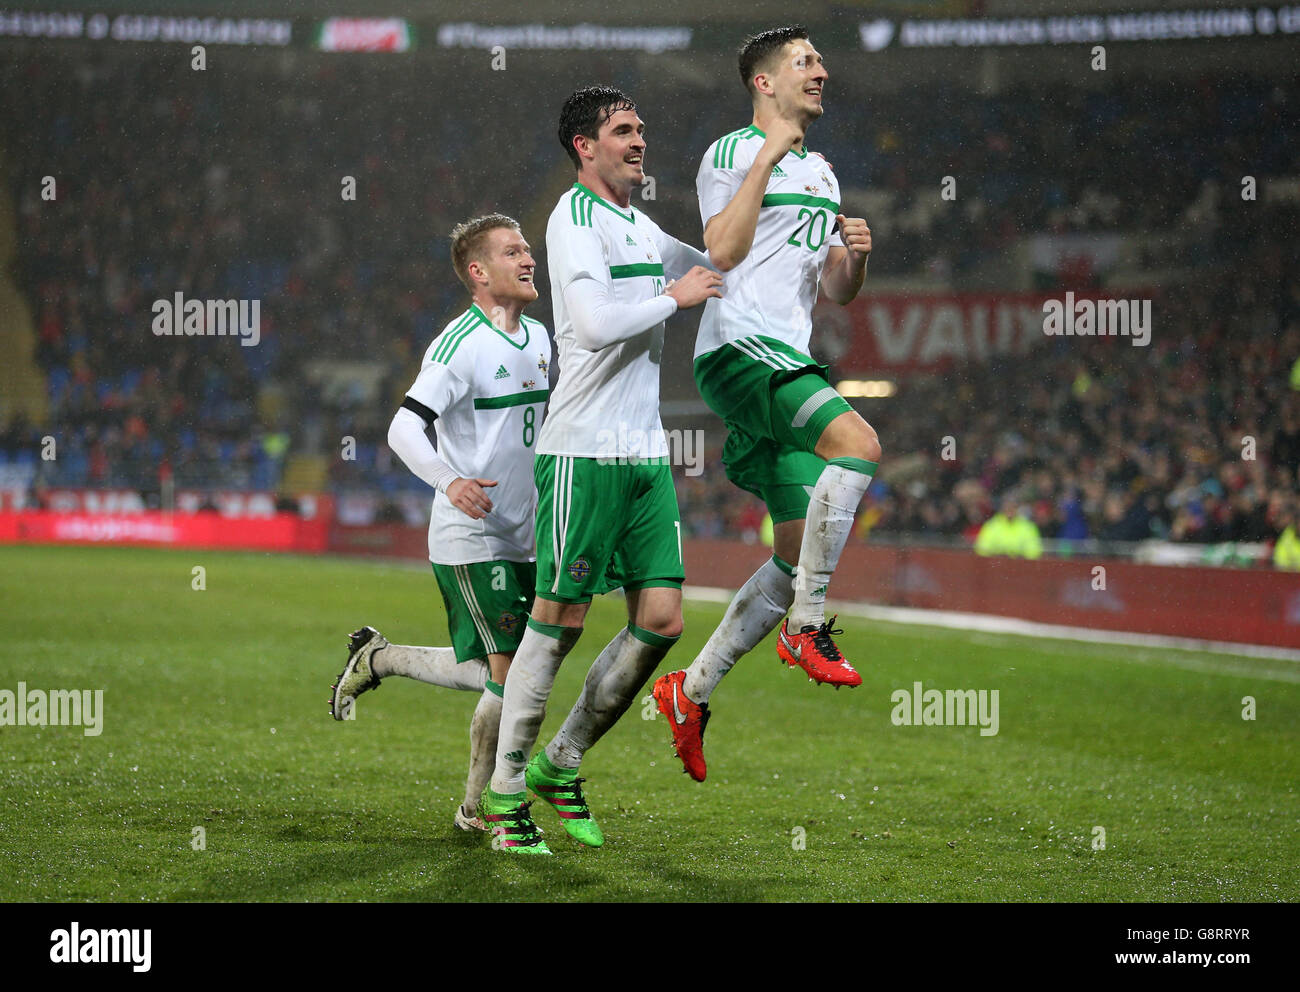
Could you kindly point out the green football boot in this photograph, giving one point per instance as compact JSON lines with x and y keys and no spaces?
{"x":510,"y":824}
{"x":562,"y":788}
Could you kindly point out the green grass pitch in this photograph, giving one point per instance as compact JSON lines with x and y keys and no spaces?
{"x":215,"y":716}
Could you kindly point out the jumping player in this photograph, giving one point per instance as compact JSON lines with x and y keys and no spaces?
{"x":772,"y":224}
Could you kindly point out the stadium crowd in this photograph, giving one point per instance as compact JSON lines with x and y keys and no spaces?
{"x":1196,"y":438}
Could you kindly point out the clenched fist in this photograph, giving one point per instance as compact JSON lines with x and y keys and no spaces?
{"x":855,"y":234}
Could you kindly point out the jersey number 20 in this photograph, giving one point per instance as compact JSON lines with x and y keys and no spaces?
{"x":816,"y":219}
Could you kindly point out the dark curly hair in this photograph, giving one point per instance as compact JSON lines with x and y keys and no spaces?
{"x":585,"y":111}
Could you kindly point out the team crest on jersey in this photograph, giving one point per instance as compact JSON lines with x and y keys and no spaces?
{"x":543,"y":364}
{"x":508,"y":622}
{"x":579,"y":569}
{"x":811,"y":189}
{"x":530,"y":383}
{"x":824,"y":179}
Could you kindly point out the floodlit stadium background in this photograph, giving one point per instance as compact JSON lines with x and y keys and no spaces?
{"x":996,"y":162}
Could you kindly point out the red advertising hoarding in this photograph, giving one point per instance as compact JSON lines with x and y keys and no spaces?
{"x":1247,"y":606}
{"x":279,"y":532}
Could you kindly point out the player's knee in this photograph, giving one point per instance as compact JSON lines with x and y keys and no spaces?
{"x":558,"y":614}
{"x":672,"y":630}
{"x":850,"y":437}
{"x":862,"y":442}
{"x":665,"y":623}
{"x":870,"y":443}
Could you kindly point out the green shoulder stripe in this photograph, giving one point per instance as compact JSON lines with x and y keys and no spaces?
{"x":724,"y":151}
{"x":451,"y":339}
{"x":580,"y":207}
{"x":444,"y":339}
{"x":584,"y":204}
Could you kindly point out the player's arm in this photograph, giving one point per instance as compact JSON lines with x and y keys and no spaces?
{"x":678,"y":257}
{"x":846,"y":265}
{"x":599,"y":320}
{"x":729,"y":234}
{"x":408,"y":437}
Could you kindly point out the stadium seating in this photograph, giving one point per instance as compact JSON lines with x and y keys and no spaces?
{"x":1123,"y":445}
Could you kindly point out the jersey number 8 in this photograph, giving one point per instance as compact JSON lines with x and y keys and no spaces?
{"x":530,"y":418}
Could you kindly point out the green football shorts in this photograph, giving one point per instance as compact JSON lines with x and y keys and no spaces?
{"x":775,"y":402}
{"x":605,"y":526}
{"x":487,"y":605}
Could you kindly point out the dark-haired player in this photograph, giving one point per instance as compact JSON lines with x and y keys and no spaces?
{"x":607,"y":512}
{"x":772,"y":224}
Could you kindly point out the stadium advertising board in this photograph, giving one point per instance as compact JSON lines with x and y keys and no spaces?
{"x":1246,"y":606}
{"x":77,"y":25}
{"x":279,"y":532}
{"x":229,"y":503}
{"x":881,"y":33}
{"x":564,"y":37}
{"x":364,"y":34}
{"x":1220,"y":22}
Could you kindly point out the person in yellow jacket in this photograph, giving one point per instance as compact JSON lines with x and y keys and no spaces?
{"x":1286,"y":552}
{"x":1008,"y":533}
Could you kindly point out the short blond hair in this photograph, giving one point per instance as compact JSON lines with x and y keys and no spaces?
{"x":469,"y":242}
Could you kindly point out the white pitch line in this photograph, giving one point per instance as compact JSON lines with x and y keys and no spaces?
{"x":989,"y":623}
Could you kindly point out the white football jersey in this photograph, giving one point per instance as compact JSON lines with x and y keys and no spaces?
{"x":771,"y":292}
{"x":488,"y":390}
{"x":606,"y":402}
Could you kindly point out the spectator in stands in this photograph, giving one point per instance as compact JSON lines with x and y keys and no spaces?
{"x":1074,"y":525}
{"x":1286,"y":552}
{"x":1009,"y":533}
